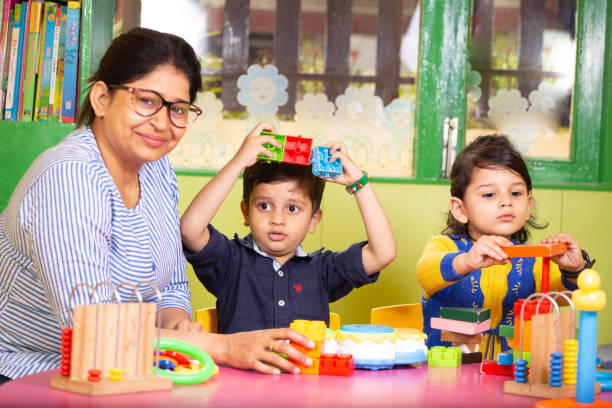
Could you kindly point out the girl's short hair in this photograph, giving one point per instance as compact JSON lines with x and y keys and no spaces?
{"x":488,"y":151}
{"x":264,"y":172}
{"x":137,"y":53}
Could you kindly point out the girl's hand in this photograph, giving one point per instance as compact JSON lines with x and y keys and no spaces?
{"x":253,"y":145}
{"x":571,"y":260}
{"x":350,"y":171}
{"x":487,"y":252}
{"x":188,"y":326}
{"x":258,"y":350}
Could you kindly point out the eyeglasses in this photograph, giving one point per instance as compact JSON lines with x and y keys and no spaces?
{"x":148,"y":102}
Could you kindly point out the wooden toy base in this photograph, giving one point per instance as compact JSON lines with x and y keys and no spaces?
{"x":543,"y":390}
{"x":571,"y":403}
{"x":108,"y":387}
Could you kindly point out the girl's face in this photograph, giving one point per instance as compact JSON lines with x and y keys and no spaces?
{"x":496,"y":202}
{"x":130,"y":140}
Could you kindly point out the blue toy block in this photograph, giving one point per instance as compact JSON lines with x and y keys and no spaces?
{"x":505,"y":358}
{"x":322,"y":166}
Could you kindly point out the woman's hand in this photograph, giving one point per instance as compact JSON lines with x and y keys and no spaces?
{"x":257,"y":350}
{"x":484,"y":253}
{"x":571,"y":260}
{"x":253,"y":145}
{"x":187,"y":325}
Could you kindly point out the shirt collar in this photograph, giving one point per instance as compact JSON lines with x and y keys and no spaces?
{"x":248,"y":242}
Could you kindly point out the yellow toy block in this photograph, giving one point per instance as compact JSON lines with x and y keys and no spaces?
{"x":313,"y":369}
{"x":312,"y":353}
{"x":313,"y":329}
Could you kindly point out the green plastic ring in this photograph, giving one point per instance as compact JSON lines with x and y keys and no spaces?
{"x":208,"y":365}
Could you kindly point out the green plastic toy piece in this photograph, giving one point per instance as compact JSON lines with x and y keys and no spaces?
{"x":465,"y":314}
{"x":278,"y":153}
{"x":440,"y":356}
{"x":506,"y":331}
{"x":526,"y":356}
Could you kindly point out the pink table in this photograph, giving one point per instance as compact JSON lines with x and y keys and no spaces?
{"x":406,"y":387}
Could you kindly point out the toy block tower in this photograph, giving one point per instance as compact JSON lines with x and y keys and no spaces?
{"x":315,"y":331}
{"x":294,"y":149}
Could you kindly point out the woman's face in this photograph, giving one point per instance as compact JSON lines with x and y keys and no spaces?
{"x":128,"y":139}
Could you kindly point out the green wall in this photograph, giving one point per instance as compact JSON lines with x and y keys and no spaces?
{"x":417,"y":212}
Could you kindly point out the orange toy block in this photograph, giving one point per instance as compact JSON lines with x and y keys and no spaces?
{"x":526,"y":336}
{"x":313,"y":369}
{"x":535,"y":250}
{"x":312,"y":353}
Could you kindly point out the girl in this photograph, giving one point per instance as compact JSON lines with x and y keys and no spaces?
{"x":490,"y":208}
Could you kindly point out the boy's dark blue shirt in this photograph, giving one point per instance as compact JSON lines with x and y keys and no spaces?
{"x":252,"y":295}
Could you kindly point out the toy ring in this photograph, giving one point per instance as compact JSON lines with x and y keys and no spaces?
{"x":208,"y":365}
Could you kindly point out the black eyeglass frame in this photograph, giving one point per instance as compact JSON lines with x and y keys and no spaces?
{"x":131,"y":89}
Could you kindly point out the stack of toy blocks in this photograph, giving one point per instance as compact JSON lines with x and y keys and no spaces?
{"x":320,"y":158}
{"x":322,"y":363}
{"x":463,"y":327}
{"x":294,"y":149}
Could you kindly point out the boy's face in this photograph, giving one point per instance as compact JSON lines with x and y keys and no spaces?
{"x":280,"y":215}
{"x":496,"y":202}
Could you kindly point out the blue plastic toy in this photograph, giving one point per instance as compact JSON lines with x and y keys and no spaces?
{"x":320,"y":158}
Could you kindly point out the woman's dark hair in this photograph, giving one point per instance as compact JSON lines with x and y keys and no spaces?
{"x":137,"y":53}
{"x":264,"y":172}
{"x":488,"y":151}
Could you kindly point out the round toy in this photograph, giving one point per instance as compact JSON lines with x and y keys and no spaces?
{"x":208,"y":366}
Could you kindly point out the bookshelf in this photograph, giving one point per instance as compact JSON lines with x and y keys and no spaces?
{"x":22,"y":142}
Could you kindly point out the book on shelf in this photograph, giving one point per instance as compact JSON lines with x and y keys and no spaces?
{"x":57,"y":98}
{"x":71,"y":62}
{"x":24,"y":52}
{"x":41,"y":105}
{"x":6,"y":28}
{"x":31,"y":62}
{"x":14,"y":69}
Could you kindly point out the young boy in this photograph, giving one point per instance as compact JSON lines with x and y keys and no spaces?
{"x":266,"y":279}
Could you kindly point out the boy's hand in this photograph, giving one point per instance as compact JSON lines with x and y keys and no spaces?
{"x":486,"y":252}
{"x":571,"y":260}
{"x":187,"y":325}
{"x":350,"y":171}
{"x":258,"y":350}
{"x":252,"y":145}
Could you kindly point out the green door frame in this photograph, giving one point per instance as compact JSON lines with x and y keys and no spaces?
{"x":441,"y":92}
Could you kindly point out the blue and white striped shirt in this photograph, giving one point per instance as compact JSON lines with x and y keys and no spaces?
{"x":66,"y":224}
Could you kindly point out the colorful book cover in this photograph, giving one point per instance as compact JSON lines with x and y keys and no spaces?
{"x":44,"y":73}
{"x":33,"y":54}
{"x":71,"y":62}
{"x":54,"y":57}
{"x":57,"y":101}
{"x":14,"y":71}
{"x":24,"y":54}
{"x":6,"y":29}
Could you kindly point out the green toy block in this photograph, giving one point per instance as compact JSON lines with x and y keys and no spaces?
{"x":440,"y":356}
{"x":526,"y":356}
{"x":278,"y":153}
{"x":465,"y":314}
{"x":506,"y":331}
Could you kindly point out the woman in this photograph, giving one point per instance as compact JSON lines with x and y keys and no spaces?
{"x":101,"y":206}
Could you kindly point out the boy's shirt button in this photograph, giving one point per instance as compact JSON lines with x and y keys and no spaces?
{"x":281,"y":303}
{"x":280,"y":273}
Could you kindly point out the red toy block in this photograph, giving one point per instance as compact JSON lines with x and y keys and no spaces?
{"x":492,"y":367}
{"x":297,"y":150}
{"x":336,"y":364}
{"x":530,"y":309}
{"x":536,"y":250}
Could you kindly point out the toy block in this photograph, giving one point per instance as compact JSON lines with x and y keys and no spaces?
{"x":313,"y":329}
{"x":297,"y":150}
{"x":458,"y":326}
{"x":506,"y":331}
{"x":439,"y":356}
{"x":466,"y":314}
{"x":526,"y":356}
{"x":526,"y":336}
{"x":313,"y":352}
{"x":505,"y":358}
{"x":446,"y":335}
{"x":336,"y":364}
{"x":320,"y":159}
{"x":277,"y":152}
{"x":530,"y":309}
{"x":535,"y":250}
{"x":470,"y":358}
{"x":492,"y":367}
{"x":313,"y":369}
